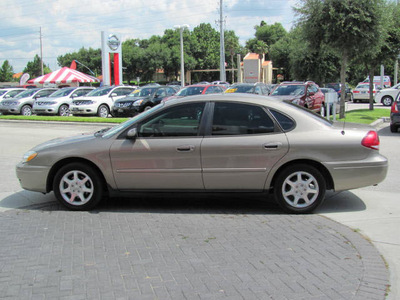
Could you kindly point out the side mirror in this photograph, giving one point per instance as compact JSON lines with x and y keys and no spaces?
{"x":113,"y":95}
{"x":37,"y":96}
{"x":7,"y":96}
{"x":74,"y":96}
{"x":132,"y":134}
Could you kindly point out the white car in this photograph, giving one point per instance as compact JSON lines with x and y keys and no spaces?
{"x":22,"y":103}
{"x":99,"y":101}
{"x":58,"y":103}
{"x":7,"y":93}
{"x":361,"y":92}
{"x":387,"y":96}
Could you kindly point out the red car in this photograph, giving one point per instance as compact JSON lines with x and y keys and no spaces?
{"x":197,"y":89}
{"x":307,"y":94}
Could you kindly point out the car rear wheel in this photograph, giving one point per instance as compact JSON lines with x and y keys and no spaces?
{"x":63,"y":111}
{"x":393,"y":128}
{"x":26,"y":110}
{"x":103,"y":111}
{"x":387,"y":101}
{"x":299,"y":189}
{"x":78,"y":186}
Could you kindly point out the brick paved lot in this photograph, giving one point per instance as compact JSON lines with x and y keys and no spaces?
{"x":170,"y":247}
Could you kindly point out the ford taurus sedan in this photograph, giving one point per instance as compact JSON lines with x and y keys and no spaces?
{"x":210,"y":143}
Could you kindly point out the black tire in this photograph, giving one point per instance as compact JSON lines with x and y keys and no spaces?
{"x":63,"y":110}
{"x":393,"y":128}
{"x":387,"y":101}
{"x":147,"y":107}
{"x":299,"y":189}
{"x":78,"y":186}
{"x":26,"y":110}
{"x":103,"y":111}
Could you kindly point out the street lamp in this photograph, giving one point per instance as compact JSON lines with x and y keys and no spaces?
{"x":181,"y":29}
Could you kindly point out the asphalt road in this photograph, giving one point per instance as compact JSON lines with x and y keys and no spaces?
{"x":371,"y":212}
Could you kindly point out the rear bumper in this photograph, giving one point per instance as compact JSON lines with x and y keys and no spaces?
{"x":357,"y":174}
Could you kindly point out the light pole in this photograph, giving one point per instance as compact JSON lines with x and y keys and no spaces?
{"x":181,"y":29}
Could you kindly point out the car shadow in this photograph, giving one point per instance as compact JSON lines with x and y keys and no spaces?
{"x":185,"y":203}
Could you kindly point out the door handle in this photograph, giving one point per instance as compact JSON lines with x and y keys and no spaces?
{"x":185,"y":148}
{"x":273,"y":146}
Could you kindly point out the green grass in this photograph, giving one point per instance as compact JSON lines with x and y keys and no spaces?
{"x":365,"y":116}
{"x":65,"y":119}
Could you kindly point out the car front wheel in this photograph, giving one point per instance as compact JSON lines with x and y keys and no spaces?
{"x":63,"y":111}
{"x":26,"y":110}
{"x":103,"y":111}
{"x":78,"y":186}
{"x":387,"y":101}
{"x":393,"y":128}
{"x":299,"y":189}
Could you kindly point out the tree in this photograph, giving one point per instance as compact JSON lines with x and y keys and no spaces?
{"x":90,"y":60}
{"x":232,"y":47}
{"x":270,"y":34}
{"x":387,"y":45}
{"x":34,"y":68}
{"x":6,"y":72}
{"x":349,"y":27}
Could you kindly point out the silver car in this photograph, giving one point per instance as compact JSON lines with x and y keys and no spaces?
{"x":22,"y":103}
{"x":208,"y":143}
{"x":58,"y":102}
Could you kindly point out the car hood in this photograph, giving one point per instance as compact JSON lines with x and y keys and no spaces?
{"x":65,"y":140}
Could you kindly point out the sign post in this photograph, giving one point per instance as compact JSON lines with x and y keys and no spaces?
{"x":111,"y":59}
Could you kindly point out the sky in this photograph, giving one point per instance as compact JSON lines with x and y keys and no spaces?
{"x":68,"y":25}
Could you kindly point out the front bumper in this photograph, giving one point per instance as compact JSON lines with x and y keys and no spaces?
{"x":10,"y":109}
{"x":49,"y":110}
{"x":124,"y":111}
{"x":84,"y":110}
{"x":32,"y":178}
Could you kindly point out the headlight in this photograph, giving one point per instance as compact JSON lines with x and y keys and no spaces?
{"x":138,"y":102}
{"x":28,"y":156}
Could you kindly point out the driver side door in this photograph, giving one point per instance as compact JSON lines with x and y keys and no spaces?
{"x":165,"y":155}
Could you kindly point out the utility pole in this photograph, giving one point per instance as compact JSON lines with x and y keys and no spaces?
{"x":222,"y":73}
{"x":41,"y":50}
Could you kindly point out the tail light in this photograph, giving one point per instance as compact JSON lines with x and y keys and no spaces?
{"x":394,"y":108}
{"x":356,"y":92}
{"x":371,"y":140}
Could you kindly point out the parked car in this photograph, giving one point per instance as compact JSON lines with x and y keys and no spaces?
{"x":377,"y":81}
{"x":208,"y":143}
{"x":22,"y":103}
{"x":361,"y":92}
{"x":99,"y":101}
{"x":197,"y":89}
{"x":306,"y":94}
{"x":395,"y":115}
{"x":58,"y":102}
{"x":141,"y":100}
{"x":258,"y":88}
{"x":6,"y":93}
{"x":337,"y":86}
{"x":387,"y":96}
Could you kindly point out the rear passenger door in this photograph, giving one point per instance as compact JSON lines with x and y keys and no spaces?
{"x":240,"y":148}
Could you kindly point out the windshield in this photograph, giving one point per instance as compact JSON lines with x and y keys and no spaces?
{"x":62,"y":92}
{"x":121,"y":127}
{"x":143,"y":92}
{"x":27,"y":93}
{"x":100,"y":92}
{"x":289,"y":90}
{"x":362,"y":86}
{"x":190,"y":91}
{"x":2,"y":92}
